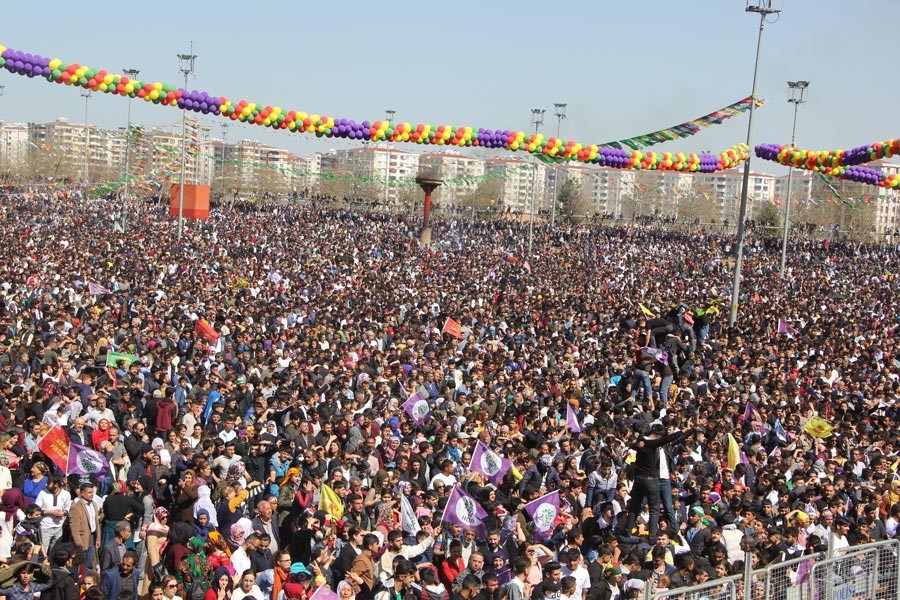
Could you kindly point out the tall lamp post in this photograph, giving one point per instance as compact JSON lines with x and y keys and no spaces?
{"x":389,"y":117}
{"x":537,"y":119}
{"x":560,"y":112}
{"x":224,"y":126}
{"x":131,"y":74}
{"x":764,"y":9}
{"x":87,"y":136}
{"x":186,"y":66}
{"x":798,"y":92}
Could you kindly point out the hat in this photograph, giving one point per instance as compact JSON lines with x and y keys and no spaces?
{"x":462,"y":435}
{"x":298,"y":568}
{"x":546,"y":460}
{"x":698,"y":510}
{"x":613,"y":569}
{"x":241,"y":379}
{"x":803,"y":517}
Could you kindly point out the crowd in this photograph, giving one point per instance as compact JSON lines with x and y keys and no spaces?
{"x":258,"y":445}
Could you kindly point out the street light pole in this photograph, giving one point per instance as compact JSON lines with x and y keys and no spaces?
{"x":224,"y":126}
{"x":537,"y":119}
{"x":131,"y":74}
{"x":764,"y":9}
{"x":797,"y":98}
{"x":87,"y":136}
{"x":560,"y":115}
{"x":186,"y":66}
{"x":389,"y":117}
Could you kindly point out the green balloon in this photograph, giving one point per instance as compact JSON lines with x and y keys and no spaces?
{"x":56,"y":74}
{"x":82,"y":81}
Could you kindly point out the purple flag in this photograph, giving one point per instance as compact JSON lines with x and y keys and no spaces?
{"x":543,"y":511}
{"x":748,"y":412}
{"x":417,"y":407}
{"x":572,"y":419}
{"x":84,"y":461}
{"x":463,"y":510}
{"x":489,"y":463}
{"x":784,"y":328}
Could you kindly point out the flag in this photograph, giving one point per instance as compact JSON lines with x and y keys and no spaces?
{"x":734,"y":452}
{"x":113,"y":358}
{"x":463,"y":510}
{"x":331,"y":503}
{"x":323,"y":592}
{"x":543,"y":511}
{"x":408,"y":520}
{"x":85,"y":461}
{"x":526,"y":266}
{"x":646,"y":310}
{"x":205,"y":330}
{"x":417,"y":407}
{"x":748,"y":412}
{"x":572,"y":419}
{"x":818,"y":427}
{"x":780,"y":433}
{"x":784,"y":328}
{"x":453,"y":328}
{"x":95,"y":289}
{"x":55,"y":445}
{"x":489,"y":463}
{"x":211,"y":399}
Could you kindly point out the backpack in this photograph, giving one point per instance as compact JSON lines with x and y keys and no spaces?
{"x":198,"y":590}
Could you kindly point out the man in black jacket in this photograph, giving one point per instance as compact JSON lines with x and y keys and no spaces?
{"x":646,"y":474}
{"x":64,"y":585}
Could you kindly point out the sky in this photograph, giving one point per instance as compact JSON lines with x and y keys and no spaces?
{"x":623,"y":68}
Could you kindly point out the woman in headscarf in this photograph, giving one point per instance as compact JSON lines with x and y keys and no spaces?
{"x":500,"y":567}
{"x":232,"y":508}
{"x":8,"y":460}
{"x":185,"y":495}
{"x":195,"y":570}
{"x":12,"y":506}
{"x":157,"y":533}
{"x":36,"y":481}
{"x":345,"y":591}
{"x":235,"y":536}
{"x":100,"y":435}
{"x":217,"y":552}
{"x":221,"y":581}
{"x":202,"y":525}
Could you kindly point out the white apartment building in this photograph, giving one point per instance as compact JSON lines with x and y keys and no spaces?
{"x":13,"y":144}
{"x":523,"y":182}
{"x":384,"y":165}
{"x":801,"y":187}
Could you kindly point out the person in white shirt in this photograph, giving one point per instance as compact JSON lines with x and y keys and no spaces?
{"x":573,"y":567}
{"x":247,"y":587}
{"x":55,"y":503}
{"x":240,"y":560}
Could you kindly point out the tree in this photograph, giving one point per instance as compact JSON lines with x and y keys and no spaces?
{"x":570,"y":199}
{"x":768,"y":218}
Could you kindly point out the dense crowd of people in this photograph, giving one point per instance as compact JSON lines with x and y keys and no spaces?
{"x":253,"y":422}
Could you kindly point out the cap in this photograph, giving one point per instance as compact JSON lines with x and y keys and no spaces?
{"x":698,"y":510}
{"x":613,"y":570}
{"x":299,"y":568}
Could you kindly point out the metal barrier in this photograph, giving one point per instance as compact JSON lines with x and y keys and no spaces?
{"x":878,"y":561}
{"x":786,"y":580}
{"x":717,"y":589}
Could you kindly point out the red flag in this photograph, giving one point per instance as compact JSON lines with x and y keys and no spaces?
{"x":205,"y":330}
{"x":453,"y":328}
{"x":56,"y":446}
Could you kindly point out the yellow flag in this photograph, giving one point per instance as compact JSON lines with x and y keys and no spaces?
{"x":734,"y":452}
{"x":646,"y":310}
{"x":331,"y":503}
{"x":818,"y":427}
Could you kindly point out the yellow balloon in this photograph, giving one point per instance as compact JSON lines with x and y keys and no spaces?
{"x":103,"y":87}
{"x":79,"y":72}
{"x":514,"y":146}
{"x":129,"y":88}
{"x":157,"y":86}
{"x":266,"y":122}
{"x":107,"y":79}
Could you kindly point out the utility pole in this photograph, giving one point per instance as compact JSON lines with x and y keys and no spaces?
{"x":186,"y":66}
{"x":87,"y":136}
{"x":764,"y":9}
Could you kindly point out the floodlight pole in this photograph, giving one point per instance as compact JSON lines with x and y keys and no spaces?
{"x":131,"y":74}
{"x":797,"y":98}
{"x":560,"y":115}
{"x":537,"y":119}
{"x":764,"y":8}
{"x":186,"y":64}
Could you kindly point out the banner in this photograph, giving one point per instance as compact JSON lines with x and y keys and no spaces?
{"x":113,"y":358}
{"x":687,"y":129}
{"x":85,"y":461}
{"x":205,"y":330}
{"x":784,"y":328}
{"x":661,"y":356}
{"x":489,"y":463}
{"x":331,"y":503}
{"x":95,"y":289}
{"x":417,"y":407}
{"x":572,"y":419}
{"x":323,"y":592}
{"x":463,"y":510}
{"x":55,"y":445}
{"x":453,"y":328}
{"x":408,"y":520}
{"x":780,"y":433}
{"x":543,"y":511}
{"x":734,"y":452}
{"x":645,"y":310}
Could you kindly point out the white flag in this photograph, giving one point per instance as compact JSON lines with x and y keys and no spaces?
{"x":408,"y":519}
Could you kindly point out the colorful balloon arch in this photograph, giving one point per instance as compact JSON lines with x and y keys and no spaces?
{"x":74,"y":74}
{"x":842,"y":164}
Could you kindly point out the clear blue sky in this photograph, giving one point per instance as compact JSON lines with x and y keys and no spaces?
{"x":624,"y":68}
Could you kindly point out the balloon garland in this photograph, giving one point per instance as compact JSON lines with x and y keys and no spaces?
{"x":99,"y":80}
{"x":842,"y":164}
